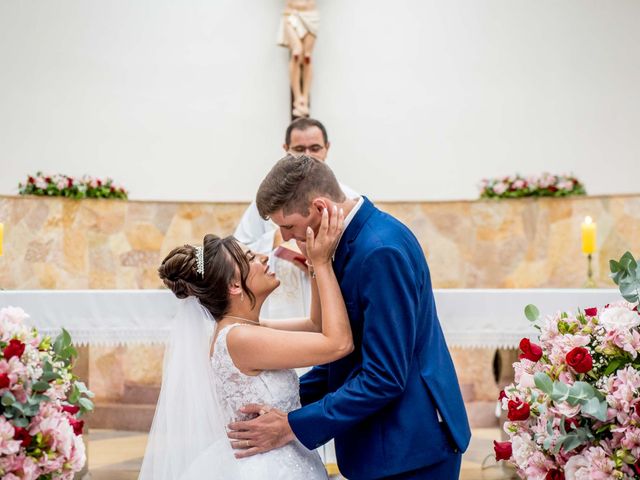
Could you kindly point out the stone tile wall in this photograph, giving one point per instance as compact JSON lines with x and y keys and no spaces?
{"x":53,"y":243}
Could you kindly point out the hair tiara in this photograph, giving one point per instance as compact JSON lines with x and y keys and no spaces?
{"x":200,"y":260}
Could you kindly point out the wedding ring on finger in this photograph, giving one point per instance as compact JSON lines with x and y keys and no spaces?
{"x":247,"y":444}
{"x":264,"y":411}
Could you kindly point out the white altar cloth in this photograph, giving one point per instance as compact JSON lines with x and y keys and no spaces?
{"x":483,"y":318}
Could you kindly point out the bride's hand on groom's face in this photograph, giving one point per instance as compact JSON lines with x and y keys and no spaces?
{"x":321,"y":247}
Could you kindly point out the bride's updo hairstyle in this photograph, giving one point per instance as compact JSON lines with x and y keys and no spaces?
{"x":222,"y":256}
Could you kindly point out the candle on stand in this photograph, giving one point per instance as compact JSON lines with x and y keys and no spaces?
{"x":588,"y":236}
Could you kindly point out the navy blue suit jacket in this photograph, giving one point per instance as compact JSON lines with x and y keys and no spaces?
{"x":381,"y":402}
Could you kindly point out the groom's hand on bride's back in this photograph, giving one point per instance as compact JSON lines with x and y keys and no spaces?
{"x":269,"y":430}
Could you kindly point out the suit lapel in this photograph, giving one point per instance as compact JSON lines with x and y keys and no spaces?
{"x":349,"y":235}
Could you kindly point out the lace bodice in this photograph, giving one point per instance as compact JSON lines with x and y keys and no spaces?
{"x":276,"y":388}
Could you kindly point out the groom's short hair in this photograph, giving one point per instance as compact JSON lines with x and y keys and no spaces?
{"x":293,"y":182}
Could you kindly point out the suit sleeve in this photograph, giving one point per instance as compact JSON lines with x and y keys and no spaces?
{"x":314,"y":385}
{"x":389,"y":297}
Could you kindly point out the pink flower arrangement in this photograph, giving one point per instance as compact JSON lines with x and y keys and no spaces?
{"x":574,"y":408}
{"x":40,"y":403}
{"x":545,"y":185}
{"x":64,"y":186}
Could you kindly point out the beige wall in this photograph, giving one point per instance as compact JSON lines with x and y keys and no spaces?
{"x":65,"y":244}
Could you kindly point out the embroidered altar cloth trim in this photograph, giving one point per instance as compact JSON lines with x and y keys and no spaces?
{"x":470,"y":318}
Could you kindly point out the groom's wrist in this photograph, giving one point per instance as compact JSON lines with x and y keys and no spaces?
{"x":290,"y":436}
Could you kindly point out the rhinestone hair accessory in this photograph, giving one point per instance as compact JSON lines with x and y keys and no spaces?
{"x":200,"y":261}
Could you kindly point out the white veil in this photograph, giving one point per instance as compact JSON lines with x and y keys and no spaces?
{"x":188,"y":439}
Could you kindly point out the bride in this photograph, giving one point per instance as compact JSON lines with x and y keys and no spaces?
{"x":205,"y":383}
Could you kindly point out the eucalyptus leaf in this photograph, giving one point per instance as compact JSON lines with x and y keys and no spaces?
{"x":40,"y":386}
{"x":580,"y":393}
{"x":614,"y":266}
{"x":560,"y":392}
{"x":85,"y":404}
{"x":572,"y":441}
{"x":21,"y":422}
{"x":596,"y":408}
{"x":531,"y":312}
{"x":49,"y":376}
{"x":543,"y":382}
{"x":8,"y":399}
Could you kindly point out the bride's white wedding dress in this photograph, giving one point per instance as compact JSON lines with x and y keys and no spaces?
{"x":276,"y":388}
{"x":200,"y":395}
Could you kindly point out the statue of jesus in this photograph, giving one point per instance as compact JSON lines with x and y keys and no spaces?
{"x":298,"y":31}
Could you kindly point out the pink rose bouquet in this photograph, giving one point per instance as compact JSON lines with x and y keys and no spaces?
{"x":41,"y":403}
{"x":574,"y":408}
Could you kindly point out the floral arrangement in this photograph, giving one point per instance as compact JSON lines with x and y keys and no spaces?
{"x":40,"y":403}
{"x":64,"y":186}
{"x":545,"y":185}
{"x":574,"y":409}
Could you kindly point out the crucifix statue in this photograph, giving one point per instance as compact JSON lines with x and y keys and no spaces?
{"x":298,"y":31}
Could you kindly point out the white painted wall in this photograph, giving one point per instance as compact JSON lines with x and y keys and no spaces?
{"x":187,"y":100}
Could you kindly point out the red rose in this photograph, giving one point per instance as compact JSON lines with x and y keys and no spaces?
{"x":47,"y":179}
{"x":636,"y":467}
{"x":69,"y":182}
{"x":530,"y":351}
{"x":580,"y":360}
{"x":14,"y":349}
{"x":32,"y":180}
{"x":4,"y":380}
{"x":99,"y":182}
{"x":518,"y":410}
{"x":503,"y":450}
{"x":502,"y":395}
{"x":77,"y":425}
{"x":591,"y":312}
{"x":22,"y":434}
{"x":554,"y":475}
{"x":70,"y":409}
{"x":569,"y":422}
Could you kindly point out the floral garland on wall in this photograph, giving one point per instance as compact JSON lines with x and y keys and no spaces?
{"x":64,"y":186}
{"x":545,"y":185}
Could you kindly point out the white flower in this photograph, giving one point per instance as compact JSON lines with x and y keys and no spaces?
{"x":576,"y":465}
{"x":523,"y":448}
{"x":619,"y":317}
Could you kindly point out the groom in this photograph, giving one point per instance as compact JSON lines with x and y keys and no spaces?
{"x":394,"y":405}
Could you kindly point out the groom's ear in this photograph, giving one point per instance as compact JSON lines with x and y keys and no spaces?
{"x":319,"y":204}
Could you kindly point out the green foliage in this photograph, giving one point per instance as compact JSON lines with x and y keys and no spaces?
{"x":531,"y":312}
{"x":592,"y":402}
{"x":626,"y":274}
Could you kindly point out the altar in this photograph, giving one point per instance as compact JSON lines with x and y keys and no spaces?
{"x":470,"y":318}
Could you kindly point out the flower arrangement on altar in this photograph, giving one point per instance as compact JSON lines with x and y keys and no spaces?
{"x":545,"y":185}
{"x":40,"y":403}
{"x":574,"y":408}
{"x":64,"y":186}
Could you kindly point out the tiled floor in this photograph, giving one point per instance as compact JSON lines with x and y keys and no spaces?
{"x":117,"y":455}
